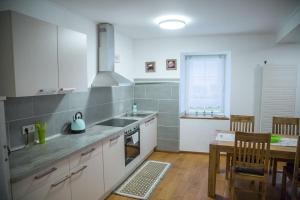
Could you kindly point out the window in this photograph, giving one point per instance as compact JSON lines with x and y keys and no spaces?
{"x":205,"y":84}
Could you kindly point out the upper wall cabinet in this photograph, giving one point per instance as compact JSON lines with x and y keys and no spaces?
{"x":28,"y":55}
{"x":72,"y":50}
{"x":39,"y":58}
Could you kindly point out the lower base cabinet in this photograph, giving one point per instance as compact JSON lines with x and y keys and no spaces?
{"x":86,"y":179}
{"x":114,"y":161}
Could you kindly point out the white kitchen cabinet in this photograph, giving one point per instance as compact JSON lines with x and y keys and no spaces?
{"x":40,"y":58}
{"x":148,"y":136}
{"x":28,"y":55}
{"x":114,"y":161}
{"x":49,"y":184}
{"x":86,"y":174}
{"x":72,"y":59}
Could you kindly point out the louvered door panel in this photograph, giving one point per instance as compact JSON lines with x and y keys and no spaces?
{"x":279,"y":88}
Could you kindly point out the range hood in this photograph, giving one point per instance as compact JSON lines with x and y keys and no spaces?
{"x":106,"y":55}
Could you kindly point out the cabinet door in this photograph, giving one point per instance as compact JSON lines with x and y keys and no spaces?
{"x":72,"y":61}
{"x":49,"y":184}
{"x":153,"y":133}
{"x":87,"y":180}
{"x":148,"y":136}
{"x":35,"y":55}
{"x":114,"y":161}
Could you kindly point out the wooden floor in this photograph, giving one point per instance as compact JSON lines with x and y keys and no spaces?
{"x":187,"y":179}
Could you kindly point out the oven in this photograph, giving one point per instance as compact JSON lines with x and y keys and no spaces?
{"x":132,"y":144}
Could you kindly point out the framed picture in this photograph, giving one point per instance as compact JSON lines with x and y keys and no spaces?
{"x":171,"y":64}
{"x":150,"y":66}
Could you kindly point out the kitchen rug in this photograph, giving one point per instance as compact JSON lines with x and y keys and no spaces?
{"x":143,"y":181}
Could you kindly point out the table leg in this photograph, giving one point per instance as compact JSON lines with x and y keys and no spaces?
{"x":212,"y":170}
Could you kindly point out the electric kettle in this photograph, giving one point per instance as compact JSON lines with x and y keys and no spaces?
{"x":78,"y":124}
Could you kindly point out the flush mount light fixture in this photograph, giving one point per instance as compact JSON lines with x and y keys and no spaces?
{"x":172,"y":24}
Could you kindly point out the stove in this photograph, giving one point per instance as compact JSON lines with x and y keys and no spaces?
{"x":117,"y":122}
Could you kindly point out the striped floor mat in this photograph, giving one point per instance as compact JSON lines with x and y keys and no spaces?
{"x":143,"y":181}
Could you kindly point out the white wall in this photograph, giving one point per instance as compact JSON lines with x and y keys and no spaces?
{"x":247,"y":51}
{"x":53,"y":13}
{"x":124,"y":48}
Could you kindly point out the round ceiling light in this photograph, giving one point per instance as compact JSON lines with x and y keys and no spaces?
{"x":172,"y":24}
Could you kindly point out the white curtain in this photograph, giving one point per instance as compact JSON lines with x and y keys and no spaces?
{"x":205,"y":83}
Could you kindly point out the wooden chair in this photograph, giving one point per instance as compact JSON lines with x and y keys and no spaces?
{"x":293,"y":173}
{"x":283,"y":126}
{"x":250,"y":160}
{"x":240,"y":123}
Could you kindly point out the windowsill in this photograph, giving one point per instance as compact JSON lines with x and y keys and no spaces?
{"x":214,"y":117}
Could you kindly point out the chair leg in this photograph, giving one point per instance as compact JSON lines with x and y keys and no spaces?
{"x":283,"y":184}
{"x":264,"y":192}
{"x":232,"y":193}
{"x":294,"y":192}
{"x":274,"y":172}
{"x":227,"y":166}
{"x":271,"y":165}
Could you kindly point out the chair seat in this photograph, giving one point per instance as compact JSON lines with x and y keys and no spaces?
{"x":252,"y":171}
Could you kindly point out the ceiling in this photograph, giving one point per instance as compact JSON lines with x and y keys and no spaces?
{"x":135,"y":17}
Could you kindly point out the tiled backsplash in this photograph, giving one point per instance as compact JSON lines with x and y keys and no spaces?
{"x":164,"y":98}
{"x":57,"y":110}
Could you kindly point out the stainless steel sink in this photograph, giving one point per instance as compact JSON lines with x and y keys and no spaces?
{"x":141,"y":115}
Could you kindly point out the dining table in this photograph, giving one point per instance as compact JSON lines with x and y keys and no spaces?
{"x":225,"y":144}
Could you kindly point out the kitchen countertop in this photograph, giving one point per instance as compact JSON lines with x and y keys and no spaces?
{"x":28,"y":161}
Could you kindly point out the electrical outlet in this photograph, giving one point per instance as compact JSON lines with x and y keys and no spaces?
{"x":30,"y":128}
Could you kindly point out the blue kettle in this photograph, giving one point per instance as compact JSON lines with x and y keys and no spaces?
{"x":78,"y":124}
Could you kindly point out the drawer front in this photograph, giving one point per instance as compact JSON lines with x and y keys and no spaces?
{"x":32,"y":183}
{"x":85,"y":155}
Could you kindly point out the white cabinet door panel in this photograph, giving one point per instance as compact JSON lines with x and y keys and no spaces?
{"x":114,"y":161}
{"x":35,"y":55}
{"x":72,"y":59}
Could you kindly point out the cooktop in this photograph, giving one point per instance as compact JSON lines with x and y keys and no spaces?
{"x":117,"y":122}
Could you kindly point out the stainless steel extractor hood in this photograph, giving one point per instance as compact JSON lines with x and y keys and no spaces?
{"x":106,"y":55}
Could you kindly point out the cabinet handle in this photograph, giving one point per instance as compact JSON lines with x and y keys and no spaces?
{"x":66,"y":90}
{"x":59,"y":182}
{"x":88,"y":152}
{"x":81,"y":169}
{"x":113,"y":139}
{"x":45,"y":173}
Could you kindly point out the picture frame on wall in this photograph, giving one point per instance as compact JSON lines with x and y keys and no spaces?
{"x":171,"y":64}
{"x":150,"y":66}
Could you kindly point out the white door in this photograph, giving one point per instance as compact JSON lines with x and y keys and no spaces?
{"x":35,"y":55}
{"x":87,"y":180}
{"x":72,"y":59}
{"x":114,"y":161}
{"x":148,"y":136}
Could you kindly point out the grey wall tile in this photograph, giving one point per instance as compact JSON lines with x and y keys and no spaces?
{"x":147,"y":104}
{"x":50,"y":104}
{"x":168,"y":145}
{"x":2,"y":112}
{"x":15,"y":131}
{"x":139,"y":91}
{"x":78,"y":100}
{"x":18,"y":108}
{"x":166,"y":119}
{"x":169,"y":106}
{"x":101,"y":95}
{"x":175,"y":92}
{"x":152,"y":91}
{"x":165,"y":132}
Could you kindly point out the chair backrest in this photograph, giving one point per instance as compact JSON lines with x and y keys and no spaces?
{"x":285,"y":126}
{"x":252,"y":150}
{"x":296,"y":164}
{"x":242,"y":123}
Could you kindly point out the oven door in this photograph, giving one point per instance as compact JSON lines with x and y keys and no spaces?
{"x":132,"y":146}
